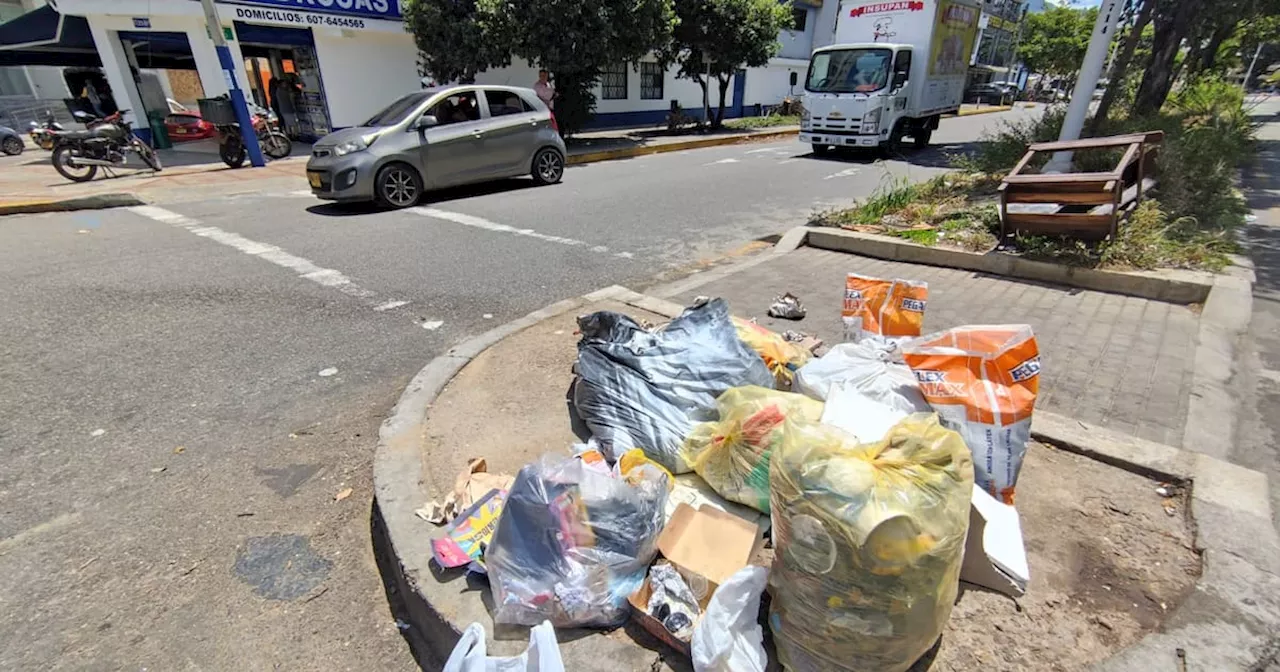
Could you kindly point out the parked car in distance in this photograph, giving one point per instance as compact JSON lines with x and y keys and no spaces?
{"x":184,"y":126}
{"x":11,"y":143}
{"x":991,"y":93}
{"x":435,"y":138}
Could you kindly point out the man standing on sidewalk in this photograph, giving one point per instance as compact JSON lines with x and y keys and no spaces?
{"x":545,"y":89}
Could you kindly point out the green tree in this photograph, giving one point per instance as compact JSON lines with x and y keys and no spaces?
{"x":720,"y":37}
{"x":1054,"y":41}
{"x":575,"y":39}
{"x":456,"y":39}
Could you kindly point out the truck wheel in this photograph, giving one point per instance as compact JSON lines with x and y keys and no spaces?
{"x":922,"y":137}
{"x":892,"y":147}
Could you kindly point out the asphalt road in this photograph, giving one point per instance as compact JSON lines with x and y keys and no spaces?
{"x":190,"y":390}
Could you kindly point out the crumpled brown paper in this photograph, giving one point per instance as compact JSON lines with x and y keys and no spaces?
{"x":472,"y":483}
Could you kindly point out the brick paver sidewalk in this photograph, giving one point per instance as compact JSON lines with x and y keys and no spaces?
{"x":1117,"y":361}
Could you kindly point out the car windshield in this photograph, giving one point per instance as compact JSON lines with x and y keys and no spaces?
{"x":399,"y":110}
{"x":849,"y":71}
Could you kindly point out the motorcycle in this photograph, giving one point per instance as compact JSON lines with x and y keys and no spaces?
{"x":275,"y":144}
{"x":106,"y":142}
{"x":43,"y":133}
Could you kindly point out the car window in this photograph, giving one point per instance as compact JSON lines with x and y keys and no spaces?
{"x":458,"y":108}
{"x":502,"y":103}
{"x":397,"y":111}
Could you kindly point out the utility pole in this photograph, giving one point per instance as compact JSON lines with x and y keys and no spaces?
{"x":1244,"y":85}
{"x":1090,"y":70}
{"x":247,"y":134}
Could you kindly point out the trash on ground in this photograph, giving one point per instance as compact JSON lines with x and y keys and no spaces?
{"x":729,"y":637}
{"x":869,"y":540}
{"x":343,"y":494}
{"x":466,"y":537}
{"x":782,"y":357}
{"x":872,"y":366}
{"x":671,"y":602}
{"x":573,"y":543}
{"x":470,"y":653}
{"x":860,"y":414}
{"x":732,"y":454}
{"x":638,"y":388}
{"x":692,"y":490}
{"x":994,"y":555}
{"x":472,"y":483}
{"x":787,"y":307}
{"x":982,"y":382}
{"x":876,"y":307}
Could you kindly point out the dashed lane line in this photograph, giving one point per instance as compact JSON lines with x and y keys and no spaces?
{"x":487,"y":225}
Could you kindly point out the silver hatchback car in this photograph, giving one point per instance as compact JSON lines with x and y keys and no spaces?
{"x":437,"y":138}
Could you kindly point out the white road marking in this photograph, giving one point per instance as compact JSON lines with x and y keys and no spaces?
{"x":325,"y":373}
{"x":389,"y":305}
{"x":847,"y":172}
{"x":482,"y":223}
{"x":786,"y":161}
{"x":716,"y":163}
{"x":304,"y":268}
{"x":775,"y":150}
{"x":432,"y":325}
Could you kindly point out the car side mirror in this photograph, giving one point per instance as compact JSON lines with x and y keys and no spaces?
{"x":899,"y":80}
{"x":794,"y":78}
{"x":426,"y":121}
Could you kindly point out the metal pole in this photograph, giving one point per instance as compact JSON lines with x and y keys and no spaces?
{"x":247,"y":134}
{"x":1244,"y":85}
{"x":706,"y":96}
{"x":1090,"y":70}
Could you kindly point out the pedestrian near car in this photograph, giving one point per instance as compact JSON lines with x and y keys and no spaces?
{"x":545,"y":89}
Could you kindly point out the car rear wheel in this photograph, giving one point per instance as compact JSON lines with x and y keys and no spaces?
{"x":397,"y":186}
{"x":12,"y":145}
{"x":548,"y":166}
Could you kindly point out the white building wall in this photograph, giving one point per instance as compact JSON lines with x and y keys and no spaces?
{"x":364,"y":71}
{"x":771,"y":84}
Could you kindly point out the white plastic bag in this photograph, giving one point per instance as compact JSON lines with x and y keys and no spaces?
{"x":872,"y":366}
{"x":543,"y":654}
{"x":729,"y":638}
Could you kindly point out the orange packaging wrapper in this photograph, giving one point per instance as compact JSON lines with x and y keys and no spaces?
{"x":891,"y":308}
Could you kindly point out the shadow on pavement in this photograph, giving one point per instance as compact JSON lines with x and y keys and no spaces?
{"x":1263,"y":241}
{"x":331,"y":209}
{"x":934,"y":156}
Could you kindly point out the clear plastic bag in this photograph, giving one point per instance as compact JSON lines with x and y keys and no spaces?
{"x":644,"y":389}
{"x":781,"y":356}
{"x":869,"y":541}
{"x":732,"y":454}
{"x":573,"y":542}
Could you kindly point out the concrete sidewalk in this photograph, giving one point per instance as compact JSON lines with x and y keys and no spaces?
{"x":501,"y":396}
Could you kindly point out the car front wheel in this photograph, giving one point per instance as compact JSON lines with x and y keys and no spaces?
{"x":397,"y":186}
{"x":548,"y":166}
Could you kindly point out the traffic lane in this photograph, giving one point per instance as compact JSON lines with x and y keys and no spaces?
{"x":163,"y":340}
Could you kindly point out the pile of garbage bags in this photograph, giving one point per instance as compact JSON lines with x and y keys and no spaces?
{"x":866,"y":458}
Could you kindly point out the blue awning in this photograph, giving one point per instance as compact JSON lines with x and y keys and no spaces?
{"x":45,"y":37}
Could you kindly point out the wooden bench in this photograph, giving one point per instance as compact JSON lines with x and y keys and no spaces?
{"x":1088,"y":206}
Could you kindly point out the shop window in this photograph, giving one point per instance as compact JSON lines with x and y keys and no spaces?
{"x":502,"y":103}
{"x":613,"y":82}
{"x":799,"y":19}
{"x":457,"y":108}
{"x":651,"y":77}
{"x":13,"y":82}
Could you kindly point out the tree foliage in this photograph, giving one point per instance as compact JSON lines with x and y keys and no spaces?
{"x":1054,"y":41}
{"x":456,"y":39}
{"x":574,"y":40}
{"x":720,"y":37}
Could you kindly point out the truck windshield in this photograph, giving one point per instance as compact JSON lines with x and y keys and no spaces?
{"x":849,"y":71}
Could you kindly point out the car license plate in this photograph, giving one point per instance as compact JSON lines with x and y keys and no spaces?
{"x":180,"y":131}
{"x":314,"y":178}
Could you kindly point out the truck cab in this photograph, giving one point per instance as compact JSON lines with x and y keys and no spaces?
{"x":862,"y":95}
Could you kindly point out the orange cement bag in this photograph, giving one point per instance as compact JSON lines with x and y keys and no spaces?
{"x":982,"y":382}
{"x":893,"y":308}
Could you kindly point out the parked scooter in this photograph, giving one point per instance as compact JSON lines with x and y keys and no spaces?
{"x":43,"y":133}
{"x":274,"y":143}
{"x":106,"y":142}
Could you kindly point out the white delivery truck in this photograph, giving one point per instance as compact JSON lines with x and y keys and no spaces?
{"x":894,"y":69}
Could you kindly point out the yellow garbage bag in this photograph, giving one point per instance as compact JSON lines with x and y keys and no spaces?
{"x":869,"y":541}
{"x":781,"y":356}
{"x":732,"y":454}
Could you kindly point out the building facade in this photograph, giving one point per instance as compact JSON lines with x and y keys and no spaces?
{"x":345,"y":59}
{"x":994,"y":57}
{"x":27,"y":90}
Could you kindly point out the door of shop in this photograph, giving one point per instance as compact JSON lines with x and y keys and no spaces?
{"x":284,"y":74}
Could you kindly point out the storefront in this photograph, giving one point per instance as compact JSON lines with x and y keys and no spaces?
{"x":321,"y":64}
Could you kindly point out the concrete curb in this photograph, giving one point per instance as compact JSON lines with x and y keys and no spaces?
{"x":1213,"y":410}
{"x":695,"y":143}
{"x":95,"y":202}
{"x":1226,"y":623}
{"x":984,"y":110}
{"x":1173,"y":286}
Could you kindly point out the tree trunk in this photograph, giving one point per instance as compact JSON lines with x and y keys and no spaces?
{"x":724,"y":89}
{"x":1209,"y":54}
{"x":1115,"y":78}
{"x":1173,"y":23}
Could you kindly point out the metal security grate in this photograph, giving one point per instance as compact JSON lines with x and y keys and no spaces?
{"x":613,"y":82}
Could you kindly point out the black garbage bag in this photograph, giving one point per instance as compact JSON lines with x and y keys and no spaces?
{"x":645,"y":389}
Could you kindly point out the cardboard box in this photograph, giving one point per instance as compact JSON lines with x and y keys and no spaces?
{"x":707,"y":546}
{"x":994,"y":556}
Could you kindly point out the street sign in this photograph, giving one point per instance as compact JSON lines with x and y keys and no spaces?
{"x":141,"y":22}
